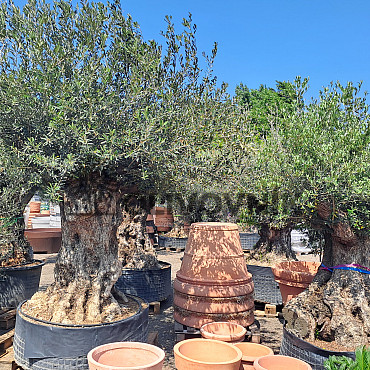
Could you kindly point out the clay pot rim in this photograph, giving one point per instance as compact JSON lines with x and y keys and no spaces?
{"x":202,"y":340}
{"x":250,"y":344}
{"x":214,"y":226}
{"x":256,"y":361}
{"x":284,"y":271}
{"x":202,"y":282}
{"x":227,"y":337}
{"x":130,"y":345}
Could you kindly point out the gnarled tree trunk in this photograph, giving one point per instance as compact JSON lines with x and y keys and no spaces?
{"x":135,"y":249}
{"x":88,"y":264}
{"x":275,"y":240}
{"x":336,"y":306}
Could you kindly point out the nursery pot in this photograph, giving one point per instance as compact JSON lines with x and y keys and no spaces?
{"x":126,"y":356}
{"x":294,"y":277}
{"x":213,"y":283}
{"x":152,"y":284}
{"x":223,"y":331}
{"x":252,"y":351}
{"x":47,"y":240}
{"x":41,"y":345}
{"x":202,"y":354}
{"x":19,"y":283}
{"x":315,"y":356}
{"x":279,"y":362}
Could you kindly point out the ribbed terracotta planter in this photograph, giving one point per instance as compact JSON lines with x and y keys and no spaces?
{"x":203,"y":354}
{"x":252,"y":351}
{"x":223,"y":331}
{"x":294,"y":277}
{"x":280,"y":362}
{"x":126,"y":356}
{"x":213,"y":283}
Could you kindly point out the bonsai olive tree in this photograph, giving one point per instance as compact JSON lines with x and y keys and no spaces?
{"x":118,"y":119}
{"x":320,"y":164}
{"x":275,"y":214}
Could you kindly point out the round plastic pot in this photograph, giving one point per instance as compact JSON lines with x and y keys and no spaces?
{"x":44,"y":345}
{"x":126,"y":356}
{"x":293,"y":346}
{"x":252,"y":351}
{"x":279,"y":362}
{"x":152,"y":285}
{"x":294,"y":277}
{"x":223,"y":331}
{"x":19,"y":283}
{"x":201,"y":354}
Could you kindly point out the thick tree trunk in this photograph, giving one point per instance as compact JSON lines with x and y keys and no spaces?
{"x":336,"y":306}
{"x":135,"y":249}
{"x":274,"y":240}
{"x":88,"y":264}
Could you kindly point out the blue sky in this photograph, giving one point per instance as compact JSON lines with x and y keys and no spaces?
{"x":261,"y":41}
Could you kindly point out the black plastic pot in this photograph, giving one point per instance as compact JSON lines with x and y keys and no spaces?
{"x":266,"y":289}
{"x":305,"y":351}
{"x":170,"y":242}
{"x":19,"y":283}
{"x":248,"y":240}
{"x":153,"y":285}
{"x":44,"y":345}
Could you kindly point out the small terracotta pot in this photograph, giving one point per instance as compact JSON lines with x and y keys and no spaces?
{"x":202,"y":354}
{"x":294,"y":277}
{"x":252,"y":351}
{"x":223,"y":331}
{"x":126,"y":356}
{"x":279,"y":362}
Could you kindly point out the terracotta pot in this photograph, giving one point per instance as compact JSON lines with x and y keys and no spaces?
{"x":35,"y":207}
{"x":163,"y":218}
{"x":294,"y":277}
{"x":213,"y":283}
{"x":126,"y":355}
{"x":252,"y":351}
{"x":223,"y":331}
{"x":201,"y":354}
{"x":44,"y":239}
{"x":279,"y":362}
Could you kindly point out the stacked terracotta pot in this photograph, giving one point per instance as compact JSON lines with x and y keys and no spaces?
{"x":35,"y":209}
{"x":213,"y":283}
{"x":163,"y":218}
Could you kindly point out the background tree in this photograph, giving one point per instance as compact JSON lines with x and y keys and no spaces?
{"x":274,"y":215}
{"x":118,"y":119}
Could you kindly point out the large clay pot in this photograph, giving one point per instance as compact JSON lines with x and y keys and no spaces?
{"x":126,"y":355}
{"x":223,"y":331}
{"x":279,"y":362}
{"x":203,"y":354}
{"x":294,"y":277}
{"x":47,"y":240}
{"x":213,"y":283}
{"x":252,"y":351}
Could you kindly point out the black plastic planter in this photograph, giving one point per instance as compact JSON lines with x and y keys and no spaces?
{"x":19,"y":283}
{"x":305,"y":351}
{"x":248,"y":240}
{"x":170,"y":242}
{"x":153,"y":285}
{"x":42,"y":345}
{"x":266,"y":289}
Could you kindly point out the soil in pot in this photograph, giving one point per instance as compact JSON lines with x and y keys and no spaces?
{"x":126,"y":355}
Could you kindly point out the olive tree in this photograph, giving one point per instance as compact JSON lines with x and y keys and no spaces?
{"x":118,"y":119}
{"x":320,"y":165}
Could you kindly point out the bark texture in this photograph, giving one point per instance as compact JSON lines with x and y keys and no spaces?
{"x":274,"y":240}
{"x":87,"y":266}
{"x":135,"y":249}
{"x":336,"y":306}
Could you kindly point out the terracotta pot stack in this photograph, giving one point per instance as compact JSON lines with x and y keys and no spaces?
{"x":163,"y":218}
{"x":35,"y":208}
{"x":213,"y":283}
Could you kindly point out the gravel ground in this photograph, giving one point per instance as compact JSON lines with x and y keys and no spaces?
{"x":163,"y":323}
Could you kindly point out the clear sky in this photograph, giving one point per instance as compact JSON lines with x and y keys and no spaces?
{"x":261,"y":41}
